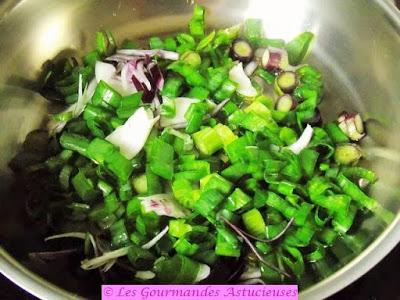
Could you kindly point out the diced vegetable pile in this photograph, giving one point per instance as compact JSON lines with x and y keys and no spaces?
{"x":207,"y":147}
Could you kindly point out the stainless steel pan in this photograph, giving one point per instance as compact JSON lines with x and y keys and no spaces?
{"x":357,"y":48}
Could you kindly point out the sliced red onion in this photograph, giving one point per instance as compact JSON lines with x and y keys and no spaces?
{"x":126,"y":79}
{"x":154,"y":240}
{"x":156,"y":104}
{"x":120,"y":58}
{"x":139,"y":73}
{"x":303,"y":140}
{"x":145,"y":75}
{"x":148,"y":95}
{"x":155,"y":52}
{"x":156,"y":75}
{"x":163,"y":205}
{"x":275,"y":59}
{"x":245,"y":88}
{"x":250,"y":68}
{"x":352,"y":125}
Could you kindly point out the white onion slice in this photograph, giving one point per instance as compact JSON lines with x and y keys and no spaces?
{"x":84,"y":96}
{"x":94,"y":263}
{"x":250,"y":68}
{"x":138,"y":72}
{"x":109,"y":265}
{"x":131,"y":137}
{"x":245,"y":87}
{"x":163,"y":205}
{"x":303,"y":140}
{"x":204,"y":272}
{"x":154,"y":240}
{"x":108,"y":73}
{"x":218,"y":107}
{"x":78,"y":235}
{"x":104,"y":71}
{"x":145,"y":275}
{"x":126,"y":79}
{"x":181,"y":106}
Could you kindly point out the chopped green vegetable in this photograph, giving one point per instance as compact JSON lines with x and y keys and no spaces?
{"x":299,"y":47}
{"x":208,"y":202}
{"x":207,"y":141}
{"x":237,"y":200}
{"x":160,"y":159}
{"x":253,"y":30}
{"x":254,"y":222}
{"x":106,"y":96}
{"x":84,"y":187}
{"x":196,"y":24}
{"x":204,"y":165}
{"x":227,"y":243}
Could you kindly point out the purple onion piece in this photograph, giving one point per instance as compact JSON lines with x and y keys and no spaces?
{"x":241,"y":50}
{"x":287,"y":81}
{"x":150,"y":79}
{"x":137,"y":84}
{"x":352,"y":125}
{"x":157,"y":76}
{"x":148,"y":95}
{"x":144,"y":73}
{"x":275,"y":59}
{"x":120,"y":58}
{"x":140,"y":74}
{"x":138,"y":52}
{"x":316,"y":120}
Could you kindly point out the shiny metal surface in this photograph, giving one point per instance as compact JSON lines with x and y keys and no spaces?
{"x":357,"y":49}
